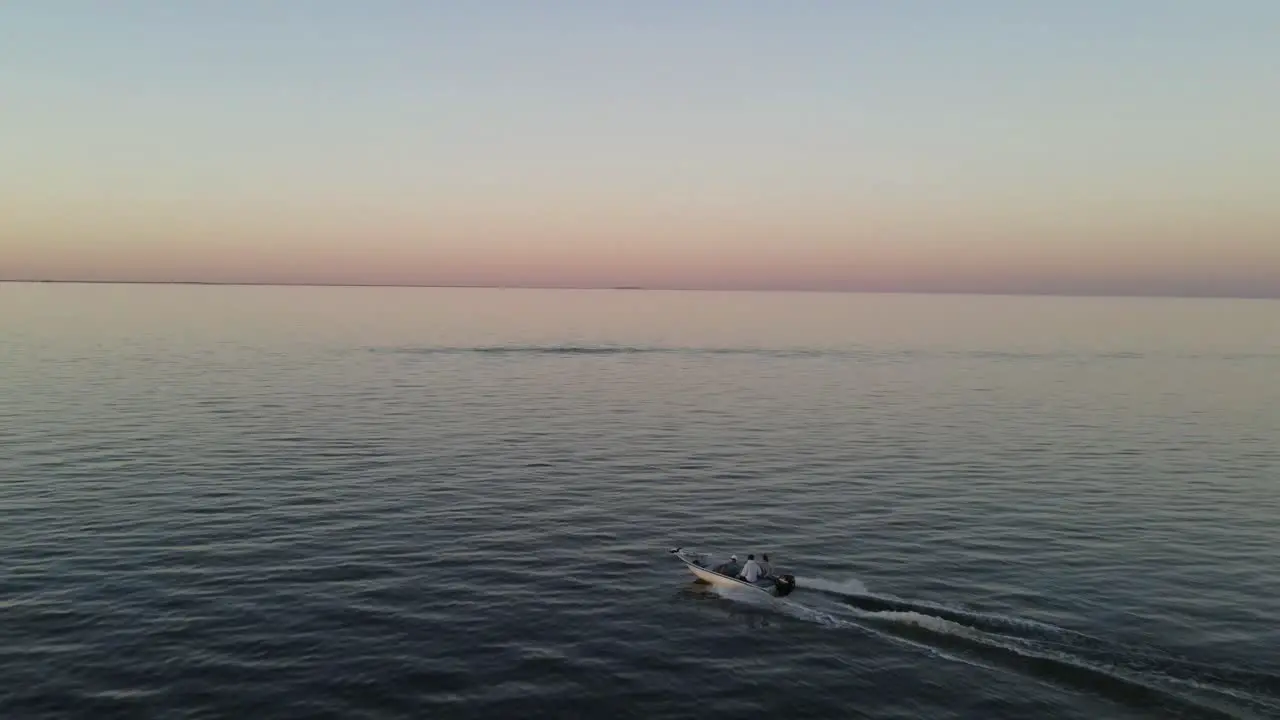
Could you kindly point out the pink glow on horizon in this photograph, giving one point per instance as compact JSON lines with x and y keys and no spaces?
{"x":853,"y":146}
{"x":1135,"y":267}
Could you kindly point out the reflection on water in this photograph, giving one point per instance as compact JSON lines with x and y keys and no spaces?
{"x":257,"y":502}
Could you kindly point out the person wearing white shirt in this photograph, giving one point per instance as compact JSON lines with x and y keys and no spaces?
{"x":751,"y":571}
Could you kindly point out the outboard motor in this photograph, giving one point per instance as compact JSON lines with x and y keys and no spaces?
{"x":784,"y":585}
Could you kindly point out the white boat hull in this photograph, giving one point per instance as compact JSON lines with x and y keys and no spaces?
{"x":716,"y":578}
{"x":779,"y":586}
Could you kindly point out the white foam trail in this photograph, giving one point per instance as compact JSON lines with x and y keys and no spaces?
{"x":928,"y":622}
{"x":1031,"y":651}
{"x":852,"y":586}
{"x":802,"y":612}
{"x":752,"y":597}
{"x":990,"y":622}
{"x":818,"y":617}
{"x":1020,"y":652}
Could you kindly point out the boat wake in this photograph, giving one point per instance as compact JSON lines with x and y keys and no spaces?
{"x":1141,"y":677}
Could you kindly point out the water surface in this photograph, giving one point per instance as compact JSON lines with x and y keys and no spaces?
{"x":384,"y":503}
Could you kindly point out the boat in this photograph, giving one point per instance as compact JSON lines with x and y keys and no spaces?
{"x":700,"y":566}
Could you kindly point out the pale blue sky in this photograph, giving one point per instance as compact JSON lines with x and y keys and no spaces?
{"x":1126,"y":146}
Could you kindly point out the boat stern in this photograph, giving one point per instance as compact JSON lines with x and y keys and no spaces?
{"x":783,"y":585}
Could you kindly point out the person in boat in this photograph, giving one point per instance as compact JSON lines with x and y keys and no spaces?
{"x":751,"y":571}
{"x":730,"y":568}
{"x":766,"y":570}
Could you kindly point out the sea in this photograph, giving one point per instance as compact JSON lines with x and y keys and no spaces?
{"x":303,"y":502}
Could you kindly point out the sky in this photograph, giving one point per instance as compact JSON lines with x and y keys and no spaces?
{"x":1088,"y":147}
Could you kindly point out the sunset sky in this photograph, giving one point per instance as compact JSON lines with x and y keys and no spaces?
{"x":1118,"y":146}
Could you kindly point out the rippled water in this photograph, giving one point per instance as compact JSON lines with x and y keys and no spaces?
{"x":377,"y":503}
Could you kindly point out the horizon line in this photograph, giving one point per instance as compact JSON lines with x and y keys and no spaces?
{"x":633,"y":288}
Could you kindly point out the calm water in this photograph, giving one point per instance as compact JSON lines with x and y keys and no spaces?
{"x":386,"y":503}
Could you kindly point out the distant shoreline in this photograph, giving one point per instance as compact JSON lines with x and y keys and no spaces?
{"x":635,"y":288}
{"x":250,"y":283}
